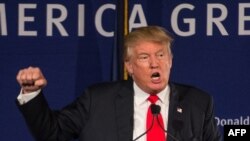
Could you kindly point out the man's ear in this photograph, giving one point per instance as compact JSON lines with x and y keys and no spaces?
{"x":129,"y":67}
{"x":170,"y":58}
{"x":171,"y":62}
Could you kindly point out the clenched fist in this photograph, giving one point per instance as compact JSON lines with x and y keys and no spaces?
{"x":31,"y":79}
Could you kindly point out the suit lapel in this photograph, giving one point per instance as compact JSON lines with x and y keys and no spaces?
{"x":175,"y":114}
{"x":124,"y":112}
{"x":179,"y":113}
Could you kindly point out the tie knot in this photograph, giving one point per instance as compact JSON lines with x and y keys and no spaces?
{"x":153,"y":98}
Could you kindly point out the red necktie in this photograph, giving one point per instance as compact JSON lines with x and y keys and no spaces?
{"x":156,"y":133}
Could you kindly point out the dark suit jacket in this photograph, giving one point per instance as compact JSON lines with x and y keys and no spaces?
{"x":105,"y":113}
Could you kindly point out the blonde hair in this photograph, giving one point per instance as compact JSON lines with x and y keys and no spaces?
{"x":149,"y":33}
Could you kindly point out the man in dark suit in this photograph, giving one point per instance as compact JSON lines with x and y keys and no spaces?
{"x":124,"y":110}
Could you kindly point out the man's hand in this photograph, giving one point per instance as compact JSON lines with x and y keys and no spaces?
{"x":31,"y":79}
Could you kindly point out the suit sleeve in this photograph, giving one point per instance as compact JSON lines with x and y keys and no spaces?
{"x":48,"y":125}
{"x":210,"y":130}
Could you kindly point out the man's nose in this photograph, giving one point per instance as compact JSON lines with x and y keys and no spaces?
{"x":154,"y":62}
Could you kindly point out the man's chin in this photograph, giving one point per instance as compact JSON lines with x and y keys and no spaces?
{"x":157,"y":87}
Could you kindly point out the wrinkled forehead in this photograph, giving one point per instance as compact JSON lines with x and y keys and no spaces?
{"x":141,"y":46}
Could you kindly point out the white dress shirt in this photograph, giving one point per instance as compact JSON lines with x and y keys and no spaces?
{"x":141,"y":105}
{"x":24,"y":98}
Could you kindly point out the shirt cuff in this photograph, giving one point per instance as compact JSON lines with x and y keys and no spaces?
{"x":24,"y":98}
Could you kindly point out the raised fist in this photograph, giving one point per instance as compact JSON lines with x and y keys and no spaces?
{"x":31,"y":79}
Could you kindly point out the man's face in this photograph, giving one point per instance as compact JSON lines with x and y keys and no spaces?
{"x":150,"y":65}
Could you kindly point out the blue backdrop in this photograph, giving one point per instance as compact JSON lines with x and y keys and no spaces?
{"x":73,"y":43}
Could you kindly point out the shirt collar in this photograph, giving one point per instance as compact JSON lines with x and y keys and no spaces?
{"x":141,"y":96}
{"x":164,"y":95}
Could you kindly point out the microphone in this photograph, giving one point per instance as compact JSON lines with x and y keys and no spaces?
{"x":155,"y":109}
{"x":173,"y":137}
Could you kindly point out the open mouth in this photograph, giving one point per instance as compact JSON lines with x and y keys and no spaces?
{"x":155,"y":76}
